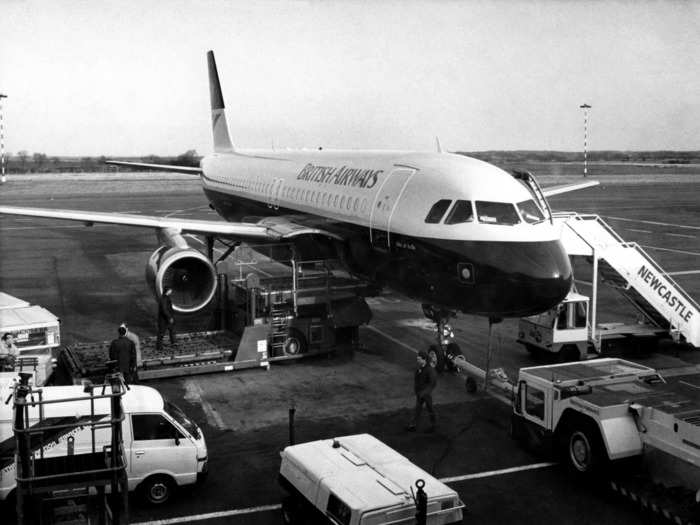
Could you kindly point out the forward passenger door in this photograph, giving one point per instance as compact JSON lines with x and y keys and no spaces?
{"x":385,"y":203}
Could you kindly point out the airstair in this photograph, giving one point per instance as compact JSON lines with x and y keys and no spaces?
{"x":628,"y":268}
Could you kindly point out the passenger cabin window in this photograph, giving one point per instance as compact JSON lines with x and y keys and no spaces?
{"x":530,"y":212}
{"x":437,"y":211}
{"x":153,"y":426}
{"x":496,"y":213}
{"x":460,"y":212}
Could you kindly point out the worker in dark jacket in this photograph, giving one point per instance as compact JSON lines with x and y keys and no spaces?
{"x":166,"y":318}
{"x":424,"y":381}
{"x":123,"y":351}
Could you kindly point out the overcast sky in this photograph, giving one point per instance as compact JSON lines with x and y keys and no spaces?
{"x":129,"y":77}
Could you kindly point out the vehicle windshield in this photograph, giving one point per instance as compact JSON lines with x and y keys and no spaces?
{"x":530,"y":212}
{"x":461,"y":212}
{"x":179,"y":416}
{"x":496,"y":213}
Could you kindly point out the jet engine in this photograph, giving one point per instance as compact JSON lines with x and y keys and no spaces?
{"x":187,"y":271}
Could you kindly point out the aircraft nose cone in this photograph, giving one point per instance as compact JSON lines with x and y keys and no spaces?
{"x":545,"y":277}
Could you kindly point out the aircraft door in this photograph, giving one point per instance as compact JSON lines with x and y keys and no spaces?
{"x":384,"y":205}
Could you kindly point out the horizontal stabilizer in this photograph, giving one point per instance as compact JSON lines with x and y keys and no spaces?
{"x":159,"y":167}
{"x":565,"y":188}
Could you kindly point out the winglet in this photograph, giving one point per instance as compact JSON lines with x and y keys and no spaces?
{"x":222,"y":140}
{"x":437,"y":144}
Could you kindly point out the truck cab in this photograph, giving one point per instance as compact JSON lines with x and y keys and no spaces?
{"x":562,"y":330}
{"x":358,"y":480}
{"x":37,"y":336}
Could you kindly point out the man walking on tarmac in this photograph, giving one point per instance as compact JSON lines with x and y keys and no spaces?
{"x":166,"y":319}
{"x":123,"y":351}
{"x":424,"y":381}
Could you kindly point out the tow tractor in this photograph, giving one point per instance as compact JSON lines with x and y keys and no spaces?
{"x":611,"y":419}
{"x":358,"y":480}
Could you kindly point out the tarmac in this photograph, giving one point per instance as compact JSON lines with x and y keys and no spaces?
{"x":92,"y":278}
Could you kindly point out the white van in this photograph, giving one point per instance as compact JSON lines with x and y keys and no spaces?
{"x":163,"y":448}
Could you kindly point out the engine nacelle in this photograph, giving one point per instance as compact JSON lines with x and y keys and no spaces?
{"x":187,"y":271}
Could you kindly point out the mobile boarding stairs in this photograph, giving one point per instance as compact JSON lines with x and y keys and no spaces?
{"x":628,"y":268}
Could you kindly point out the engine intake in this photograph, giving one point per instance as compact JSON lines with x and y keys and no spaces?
{"x":187,"y":271}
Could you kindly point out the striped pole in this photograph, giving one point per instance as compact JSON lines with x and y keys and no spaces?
{"x":2,"y":144}
{"x":585,"y":108}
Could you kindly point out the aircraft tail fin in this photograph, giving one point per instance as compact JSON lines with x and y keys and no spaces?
{"x":222,"y":140}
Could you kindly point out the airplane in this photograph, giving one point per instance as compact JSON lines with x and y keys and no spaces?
{"x":455,"y":233}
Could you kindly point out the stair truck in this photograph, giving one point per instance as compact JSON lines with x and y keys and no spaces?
{"x":358,"y":480}
{"x":571,"y":329}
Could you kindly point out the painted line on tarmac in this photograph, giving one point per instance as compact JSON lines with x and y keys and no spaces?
{"x":193,"y":392}
{"x":212,"y":515}
{"x":669,"y":250}
{"x":499,"y":472}
{"x":684,"y":226}
{"x":681,"y":235}
{"x":687,"y":272}
{"x":638,"y":231}
{"x":391,"y":338}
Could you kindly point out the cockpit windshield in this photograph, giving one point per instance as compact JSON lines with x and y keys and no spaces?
{"x":437,"y":211}
{"x":460,"y":212}
{"x":496,"y":213}
{"x":530,"y":211}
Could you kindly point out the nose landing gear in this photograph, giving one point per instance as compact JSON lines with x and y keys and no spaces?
{"x":441,"y":356}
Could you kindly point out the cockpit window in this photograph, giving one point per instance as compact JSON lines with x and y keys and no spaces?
{"x":437,"y":211}
{"x":496,"y":213}
{"x":461,"y":212}
{"x":530,"y":212}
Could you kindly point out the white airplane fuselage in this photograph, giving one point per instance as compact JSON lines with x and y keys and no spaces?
{"x":491,"y":259}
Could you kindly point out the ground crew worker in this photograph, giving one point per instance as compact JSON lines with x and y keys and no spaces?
{"x":123,"y":351}
{"x":8,"y":352}
{"x":166,"y":319}
{"x":424,"y":381}
{"x":137,"y":343}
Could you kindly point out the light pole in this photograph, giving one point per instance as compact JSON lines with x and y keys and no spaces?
{"x":585,"y":108}
{"x":2,"y":144}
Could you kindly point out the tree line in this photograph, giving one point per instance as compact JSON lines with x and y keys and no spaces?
{"x":24,"y":162}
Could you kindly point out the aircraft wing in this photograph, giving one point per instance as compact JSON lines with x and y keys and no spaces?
{"x":564,"y":188}
{"x":161,"y":167}
{"x":272,"y":228}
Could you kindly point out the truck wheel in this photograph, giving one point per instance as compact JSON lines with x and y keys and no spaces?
{"x":583,"y":449}
{"x":295,"y":343}
{"x":568,"y":353}
{"x":291,"y":511}
{"x":156,"y":490}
